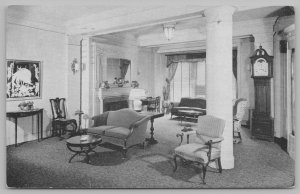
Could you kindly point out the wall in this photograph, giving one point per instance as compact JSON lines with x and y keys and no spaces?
{"x":279,"y":77}
{"x":145,"y":70}
{"x":245,"y":84}
{"x":160,"y":63}
{"x":73,"y":78}
{"x":28,"y":43}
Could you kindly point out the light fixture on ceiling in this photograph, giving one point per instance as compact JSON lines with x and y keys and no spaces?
{"x":169,"y":30}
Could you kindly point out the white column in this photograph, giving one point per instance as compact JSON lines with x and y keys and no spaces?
{"x":219,"y":73}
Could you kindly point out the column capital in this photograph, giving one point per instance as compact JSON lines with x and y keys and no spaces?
{"x":220,"y":13}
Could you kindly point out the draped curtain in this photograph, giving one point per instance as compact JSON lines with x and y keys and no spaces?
{"x":172,"y":63}
{"x":124,"y":64}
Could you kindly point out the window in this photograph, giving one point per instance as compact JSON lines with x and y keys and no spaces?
{"x":189,"y":80}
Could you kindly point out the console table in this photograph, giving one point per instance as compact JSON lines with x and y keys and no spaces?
{"x":21,"y":113}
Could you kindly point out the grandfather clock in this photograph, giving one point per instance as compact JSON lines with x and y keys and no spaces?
{"x":262,"y":71}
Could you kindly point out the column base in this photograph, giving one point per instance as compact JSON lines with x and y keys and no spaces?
{"x":227,"y":162}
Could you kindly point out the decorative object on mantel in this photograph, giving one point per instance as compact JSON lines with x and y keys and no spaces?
{"x":120,"y":82}
{"x":26,"y":105}
{"x":75,"y":66}
{"x":106,"y":85}
{"x":135,"y":84}
{"x":169,"y":30}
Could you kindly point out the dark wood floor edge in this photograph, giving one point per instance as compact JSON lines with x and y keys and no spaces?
{"x":282,"y":142}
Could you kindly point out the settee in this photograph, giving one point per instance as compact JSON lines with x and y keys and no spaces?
{"x":124,"y":128}
{"x":194,"y":104}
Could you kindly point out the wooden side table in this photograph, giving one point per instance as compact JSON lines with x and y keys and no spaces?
{"x":27,"y":113}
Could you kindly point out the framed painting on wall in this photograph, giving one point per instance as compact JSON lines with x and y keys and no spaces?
{"x":23,"y":79}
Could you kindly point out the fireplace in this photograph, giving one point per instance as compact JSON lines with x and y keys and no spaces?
{"x":114,"y":98}
{"x":115,"y":103}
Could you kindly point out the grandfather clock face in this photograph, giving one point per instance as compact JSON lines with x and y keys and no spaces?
{"x":260,"y":68}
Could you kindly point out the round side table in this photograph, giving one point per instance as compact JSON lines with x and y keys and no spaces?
{"x":83,"y":144}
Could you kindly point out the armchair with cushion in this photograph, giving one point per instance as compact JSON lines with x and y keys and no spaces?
{"x":239,"y":110}
{"x":195,"y":104}
{"x":124,"y":128}
{"x":207,"y":148}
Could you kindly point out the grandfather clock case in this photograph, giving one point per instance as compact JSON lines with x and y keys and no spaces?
{"x":262,"y":72}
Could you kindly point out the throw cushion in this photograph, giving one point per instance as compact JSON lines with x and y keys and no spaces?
{"x":118,"y":132}
{"x":99,"y":129}
{"x":100,"y":119}
{"x":196,"y":152}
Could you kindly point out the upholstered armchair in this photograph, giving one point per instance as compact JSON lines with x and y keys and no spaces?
{"x":239,"y":110}
{"x":207,"y":146}
{"x":124,"y":128}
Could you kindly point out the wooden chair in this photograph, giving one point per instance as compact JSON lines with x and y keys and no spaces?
{"x":207,"y":148}
{"x":154,"y":104}
{"x":59,"y":120}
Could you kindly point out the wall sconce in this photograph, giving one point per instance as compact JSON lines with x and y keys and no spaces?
{"x":169,"y":30}
{"x":75,"y":66}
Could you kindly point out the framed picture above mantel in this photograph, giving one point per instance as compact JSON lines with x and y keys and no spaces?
{"x":24,"y":79}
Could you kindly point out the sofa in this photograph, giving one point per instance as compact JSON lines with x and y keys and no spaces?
{"x":124,"y":128}
{"x":195,"y":104}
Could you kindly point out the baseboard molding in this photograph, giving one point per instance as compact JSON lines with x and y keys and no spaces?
{"x":282,"y":142}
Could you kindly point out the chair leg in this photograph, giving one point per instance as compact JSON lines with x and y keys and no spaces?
{"x":219,"y":165}
{"x":204,"y":173}
{"x":124,"y":151}
{"x":239,"y":134}
{"x":175,"y":162}
{"x":53,"y":129}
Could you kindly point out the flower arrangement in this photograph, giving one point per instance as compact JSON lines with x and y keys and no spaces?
{"x":26,"y":105}
{"x":135,"y":84}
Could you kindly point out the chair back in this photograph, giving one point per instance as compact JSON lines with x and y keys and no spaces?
{"x":154,"y":104}
{"x":157,"y":103}
{"x":123,"y":117}
{"x":241,"y":108}
{"x":209,"y":127}
{"x":58,"y":108}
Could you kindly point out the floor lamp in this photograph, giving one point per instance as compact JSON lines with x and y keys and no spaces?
{"x":80,"y":112}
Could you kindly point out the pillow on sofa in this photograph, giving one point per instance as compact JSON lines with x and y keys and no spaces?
{"x":100,"y":119}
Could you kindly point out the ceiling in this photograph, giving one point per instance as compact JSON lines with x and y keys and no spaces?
{"x":246,"y":14}
{"x":123,"y":21}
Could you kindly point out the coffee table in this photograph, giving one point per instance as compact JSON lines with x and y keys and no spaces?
{"x":83,"y":144}
{"x":192,"y":113}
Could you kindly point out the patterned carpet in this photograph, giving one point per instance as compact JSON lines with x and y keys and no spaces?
{"x":258,"y":164}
